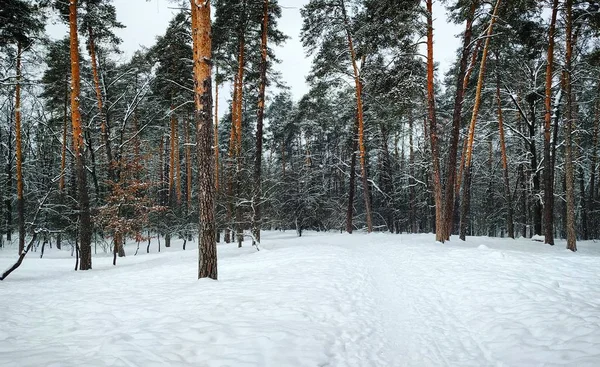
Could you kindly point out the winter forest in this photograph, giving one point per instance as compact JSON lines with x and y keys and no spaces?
{"x":198,"y":141}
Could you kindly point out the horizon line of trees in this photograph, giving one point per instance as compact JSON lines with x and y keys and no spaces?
{"x":505,"y":144}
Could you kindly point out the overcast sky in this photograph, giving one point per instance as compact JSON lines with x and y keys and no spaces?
{"x":144,"y":20}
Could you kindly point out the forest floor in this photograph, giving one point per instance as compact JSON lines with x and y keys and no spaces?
{"x":324,"y":299}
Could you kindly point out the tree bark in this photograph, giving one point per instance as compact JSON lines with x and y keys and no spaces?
{"x":352,"y":179}
{"x":456,"y":119}
{"x":257,"y":214}
{"x":548,"y":169}
{"x":361,"y":125}
{"x":412,"y":214}
{"x":216,"y":131}
{"x":507,"y":192}
{"x":104,"y":127}
{"x":63,"y":154}
{"x":19,"y":154}
{"x":569,"y":175}
{"x":433,"y":138}
{"x":201,"y":35}
{"x":85,"y":223}
{"x":476,"y":106}
{"x":188,"y":167}
{"x":172,"y":164}
{"x":591,"y":202}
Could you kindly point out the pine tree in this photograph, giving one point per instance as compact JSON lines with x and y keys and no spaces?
{"x":201,"y":36}
{"x":85,"y":223}
{"x":20,"y":25}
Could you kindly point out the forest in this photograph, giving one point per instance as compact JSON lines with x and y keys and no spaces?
{"x":97,"y":151}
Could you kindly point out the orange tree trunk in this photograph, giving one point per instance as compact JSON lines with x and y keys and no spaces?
{"x":362,"y":154}
{"x":436,"y":175}
{"x":548,"y":169}
{"x":456,"y":119}
{"x":238,"y":127}
{"x":19,"y":155}
{"x":201,"y":35}
{"x":85,"y":223}
{"x":104,"y":129}
{"x":465,"y":142}
{"x":465,"y":202}
{"x":257,"y":215}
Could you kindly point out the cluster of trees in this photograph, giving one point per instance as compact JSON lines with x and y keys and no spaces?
{"x":94,"y":147}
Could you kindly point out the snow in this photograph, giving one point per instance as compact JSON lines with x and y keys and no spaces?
{"x":323,"y":299}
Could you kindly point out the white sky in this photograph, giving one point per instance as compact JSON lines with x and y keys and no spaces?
{"x":144,"y":20}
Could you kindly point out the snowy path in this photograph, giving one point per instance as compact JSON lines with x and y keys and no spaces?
{"x":320,"y":300}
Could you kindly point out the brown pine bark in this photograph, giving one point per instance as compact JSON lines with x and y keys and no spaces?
{"x":361,"y":124}
{"x":19,"y":155}
{"x":177,"y":167}
{"x":230,"y":164}
{"x":507,"y":192}
{"x":201,"y":35}
{"x":63,"y":153}
{"x":104,"y":128}
{"x":161,"y":171}
{"x":117,"y":244}
{"x":548,"y":168}
{"x":216,"y":131}
{"x":569,"y":175}
{"x":188,"y":167}
{"x":85,"y":223}
{"x":172,"y":166}
{"x":433,"y":138}
{"x":412,"y":214}
{"x":352,"y":179}
{"x":466,"y":141}
{"x":456,"y":119}
{"x":238,"y":127}
{"x":469,"y":152}
{"x":257,"y":214}
{"x":592,"y":197}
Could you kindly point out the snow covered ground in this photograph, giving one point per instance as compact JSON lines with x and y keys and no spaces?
{"x":320,"y":300}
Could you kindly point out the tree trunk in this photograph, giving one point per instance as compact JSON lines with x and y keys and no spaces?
{"x":201,"y":35}
{"x":172,"y":164}
{"x":469,"y":153}
{"x":257,"y":215}
{"x":216,"y":131}
{"x":569,"y":176}
{"x":63,"y":154}
{"x":412,"y":214}
{"x":104,"y":127}
{"x":433,"y":138}
{"x":117,"y":244}
{"x":90,"y":144}
{"x":591,"y":202}
{"x":352,"y":179}
{"x":19,"y":155}
{"x":456,"y":120}
{"x":361,"y":125}
{"x":507,"y":192}
{"x":386,"y":178}
{"x":188,"y":167}
{"x":177,"y":167}
{"x":548,"y":169}
{"x":85,"y":223}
